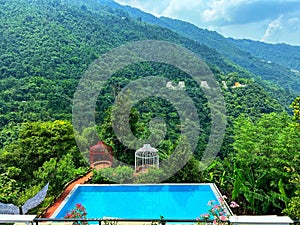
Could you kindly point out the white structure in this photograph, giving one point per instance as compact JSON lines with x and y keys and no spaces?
{"x":146,"y":157}
{"x":260,"y":220}
{"x":25,"y":219}
{"x":180,"y":86}
{"x":204,"y":84}
{"x":170,"y":85}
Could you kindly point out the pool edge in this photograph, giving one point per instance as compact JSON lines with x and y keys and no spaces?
{"x":213,"y":187}
{"x":64,"y":202}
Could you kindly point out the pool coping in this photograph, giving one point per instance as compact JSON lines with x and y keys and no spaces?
{"x":213,"y":187}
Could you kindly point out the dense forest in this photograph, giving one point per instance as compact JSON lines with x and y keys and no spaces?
{"x":46,"y":46}
{"x":282,"y":54}
{"x":264,"y":61}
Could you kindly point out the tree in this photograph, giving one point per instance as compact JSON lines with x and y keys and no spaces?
{"x":293,"y":208}
{"x":263,"y":149}
{"x":43,"y":151}
{"x":296,"y":110}
{"x":9,"y":187}
{"x":58,"y":172}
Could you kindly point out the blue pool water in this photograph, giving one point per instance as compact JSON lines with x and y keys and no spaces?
{"x":171,"y":201}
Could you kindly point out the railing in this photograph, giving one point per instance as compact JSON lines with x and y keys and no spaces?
{"x":113,"y":221}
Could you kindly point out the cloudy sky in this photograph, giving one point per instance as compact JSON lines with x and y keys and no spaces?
{"x":272,"y":21}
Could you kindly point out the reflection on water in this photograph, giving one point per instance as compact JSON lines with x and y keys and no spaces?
{"x":185,"y":201}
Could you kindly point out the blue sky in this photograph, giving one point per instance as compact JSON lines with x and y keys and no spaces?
{"x":272,"y":21}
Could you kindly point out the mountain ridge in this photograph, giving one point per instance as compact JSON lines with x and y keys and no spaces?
{"x":50,"y":43}
{"x":284,"y":54}
{"x":263,"y":71}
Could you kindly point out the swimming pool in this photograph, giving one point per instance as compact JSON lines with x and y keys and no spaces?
{"x":146,"y":201}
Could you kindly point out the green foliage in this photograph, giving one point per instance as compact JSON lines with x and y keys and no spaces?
{"x":99,"y":178}
{"x":221,"y":173}
{"x":293,"y":208}
{"x":43,"y":152}
{"x":45,"y":49}
{"x":122,"y":174}
{"x":38,"y":142}
{"x":296,"y":109}
{"x":28,"y":193}
{"x":150,"y":176}
{"x":272,"y":76}
{"x":9,"y":134}
{"x":265,"y":147}
{"x":61,"y":172}
{"x":192,"y":172}
{"x":282,"y":54}
{"x":9,"y":187}
{"x":160,"y":221}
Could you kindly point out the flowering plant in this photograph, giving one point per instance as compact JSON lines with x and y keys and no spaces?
{"x":216,"y":213}
{"x":79,"y":212}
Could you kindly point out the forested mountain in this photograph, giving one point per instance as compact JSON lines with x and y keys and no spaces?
{"x":48,"y":45}
{"x":274,"y":73}
{"x":45,"y":48}
{"x":282,"y":54}
{"x":276,"y":77}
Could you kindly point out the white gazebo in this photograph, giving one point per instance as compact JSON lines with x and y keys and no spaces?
{"x":146,"y":157}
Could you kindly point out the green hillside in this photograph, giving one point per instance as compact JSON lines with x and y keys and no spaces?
{"x":275,"y":73}
{"x":273,"y":76}
{"x":48,"y":45}
{"x":282,"y":54}
{"x":45,"y":48}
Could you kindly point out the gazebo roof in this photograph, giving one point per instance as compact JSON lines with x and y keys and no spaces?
{"x":101,"y":155}
{"x":100,"y":147}
{"x":147,"y":148}
{"x":145,"y":158}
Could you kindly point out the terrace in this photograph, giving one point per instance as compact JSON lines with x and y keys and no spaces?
{"x":235,"y":220}
{"x":178,"y":192}
{"x":138,"y":204}
{"x":185,"y":195}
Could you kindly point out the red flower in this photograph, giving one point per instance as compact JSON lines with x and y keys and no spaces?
{"x":78,"y":213}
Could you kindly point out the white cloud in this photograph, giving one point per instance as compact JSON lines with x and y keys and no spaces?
{"x":220,"y":9}
{"x":265,"y":20}
{"x":272,"y":28}
{"x":204,"y":11}
{"x":285,"y":28}
{"x":189,"y":10}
